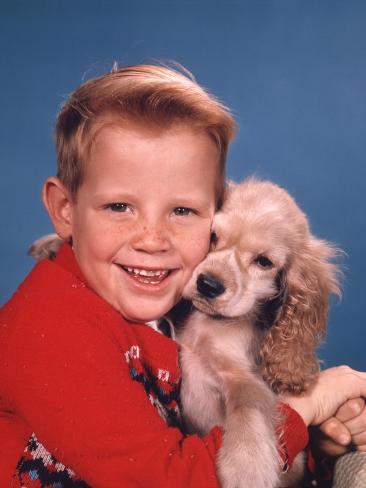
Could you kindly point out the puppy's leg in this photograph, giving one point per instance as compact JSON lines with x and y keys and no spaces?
{"x":249,"y":455}
{"x":202,"y":403}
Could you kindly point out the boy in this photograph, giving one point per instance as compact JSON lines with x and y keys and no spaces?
{"x":141,"y":155}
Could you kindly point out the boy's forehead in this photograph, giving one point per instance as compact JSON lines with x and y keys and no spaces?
{"x":134,"y":143}
{"x":135,"y":135}
{"x":124,"y":149}
{"x":146,"y":127}
{"x":179,"y":142}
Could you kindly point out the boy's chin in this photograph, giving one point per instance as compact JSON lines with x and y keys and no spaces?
{"x":142,"y":309}
{"x":146,"y":313}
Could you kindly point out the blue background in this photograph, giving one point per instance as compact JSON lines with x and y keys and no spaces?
{"x":294,"y":73}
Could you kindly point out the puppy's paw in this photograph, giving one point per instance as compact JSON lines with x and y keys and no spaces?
{"x":46,"y":247}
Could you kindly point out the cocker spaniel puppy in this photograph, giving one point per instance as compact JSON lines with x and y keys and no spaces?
{"x":260,"y":303}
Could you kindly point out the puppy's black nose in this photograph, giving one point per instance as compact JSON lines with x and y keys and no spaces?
{"x":209,"y":286}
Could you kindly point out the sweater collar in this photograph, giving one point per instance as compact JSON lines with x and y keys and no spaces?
{"x":66,"y":259}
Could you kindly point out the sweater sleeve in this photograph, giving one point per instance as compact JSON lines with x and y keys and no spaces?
{"x":66,"y":379}
{"x":293,"y":435}
{"x":63,"y":376}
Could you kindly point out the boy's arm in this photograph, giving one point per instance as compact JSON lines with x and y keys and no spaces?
{"x":63,"y":371}
{"x":78,"y":398}
{"x":64,"y":375}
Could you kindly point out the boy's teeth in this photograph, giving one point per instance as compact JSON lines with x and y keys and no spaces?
{"x":145,"y":272}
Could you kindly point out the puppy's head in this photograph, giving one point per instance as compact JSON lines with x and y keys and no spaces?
{"x":267,"y":265}
{"x":256,"y":234}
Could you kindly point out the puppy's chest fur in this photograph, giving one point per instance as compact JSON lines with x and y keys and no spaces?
{"x":215,"y":355}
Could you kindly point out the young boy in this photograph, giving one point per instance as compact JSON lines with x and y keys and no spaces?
{"x":86,"y":387}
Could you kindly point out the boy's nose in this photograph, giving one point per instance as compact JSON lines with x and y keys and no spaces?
{"x":151,"y":239}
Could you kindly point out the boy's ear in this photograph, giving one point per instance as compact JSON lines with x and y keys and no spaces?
{"x":58,"y":203}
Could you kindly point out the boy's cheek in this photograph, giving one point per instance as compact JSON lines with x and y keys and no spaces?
{"x":199,"y":236}
{"x":201,"y":243}
{"x":95,"y":233}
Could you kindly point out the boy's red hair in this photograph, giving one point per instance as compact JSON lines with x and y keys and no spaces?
{"x":146,"y":93}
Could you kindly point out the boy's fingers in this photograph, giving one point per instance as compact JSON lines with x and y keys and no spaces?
{"x":336,"y":431}
{"x":350,"y":409}
{"x":359,"y":441}
{"x":361,"y":448}
{"x":329,"y":448}
{"x":357,"y":425}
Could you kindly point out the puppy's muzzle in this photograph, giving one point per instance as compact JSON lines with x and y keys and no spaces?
{"x":209,"y":286}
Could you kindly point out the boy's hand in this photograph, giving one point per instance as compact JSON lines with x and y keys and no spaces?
{"x":333,"y":388}
{"x":344,"y":432}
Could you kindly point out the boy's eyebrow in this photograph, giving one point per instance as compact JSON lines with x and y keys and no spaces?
{"x":111,"y":195}
{"x":187,"y":201}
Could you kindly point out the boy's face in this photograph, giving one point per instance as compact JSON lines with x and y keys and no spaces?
{"x":141,"y":221}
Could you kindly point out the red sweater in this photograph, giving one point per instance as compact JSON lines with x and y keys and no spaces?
{"x":81,"y":386}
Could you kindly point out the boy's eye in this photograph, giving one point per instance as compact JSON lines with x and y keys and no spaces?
{"x":183,"y":211}
{"x":117,"y":207}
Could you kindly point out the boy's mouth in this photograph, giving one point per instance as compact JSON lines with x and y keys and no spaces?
{"x":147,"y":276}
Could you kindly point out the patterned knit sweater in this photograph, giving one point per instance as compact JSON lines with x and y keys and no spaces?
{"x":89,"y":399}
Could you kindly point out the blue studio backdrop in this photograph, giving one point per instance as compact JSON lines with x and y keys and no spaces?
{"x":293,"y":72}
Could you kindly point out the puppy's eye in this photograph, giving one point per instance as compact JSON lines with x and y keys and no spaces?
{"x":213,"y":239}
{"x":263,"y":262}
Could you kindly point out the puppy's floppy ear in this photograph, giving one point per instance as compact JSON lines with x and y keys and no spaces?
{"x":289,"y":352}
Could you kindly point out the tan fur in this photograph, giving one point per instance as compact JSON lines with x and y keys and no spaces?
{"x":46,"y":247}
{"x":225,"y":353}
{"x":221,"y":386}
